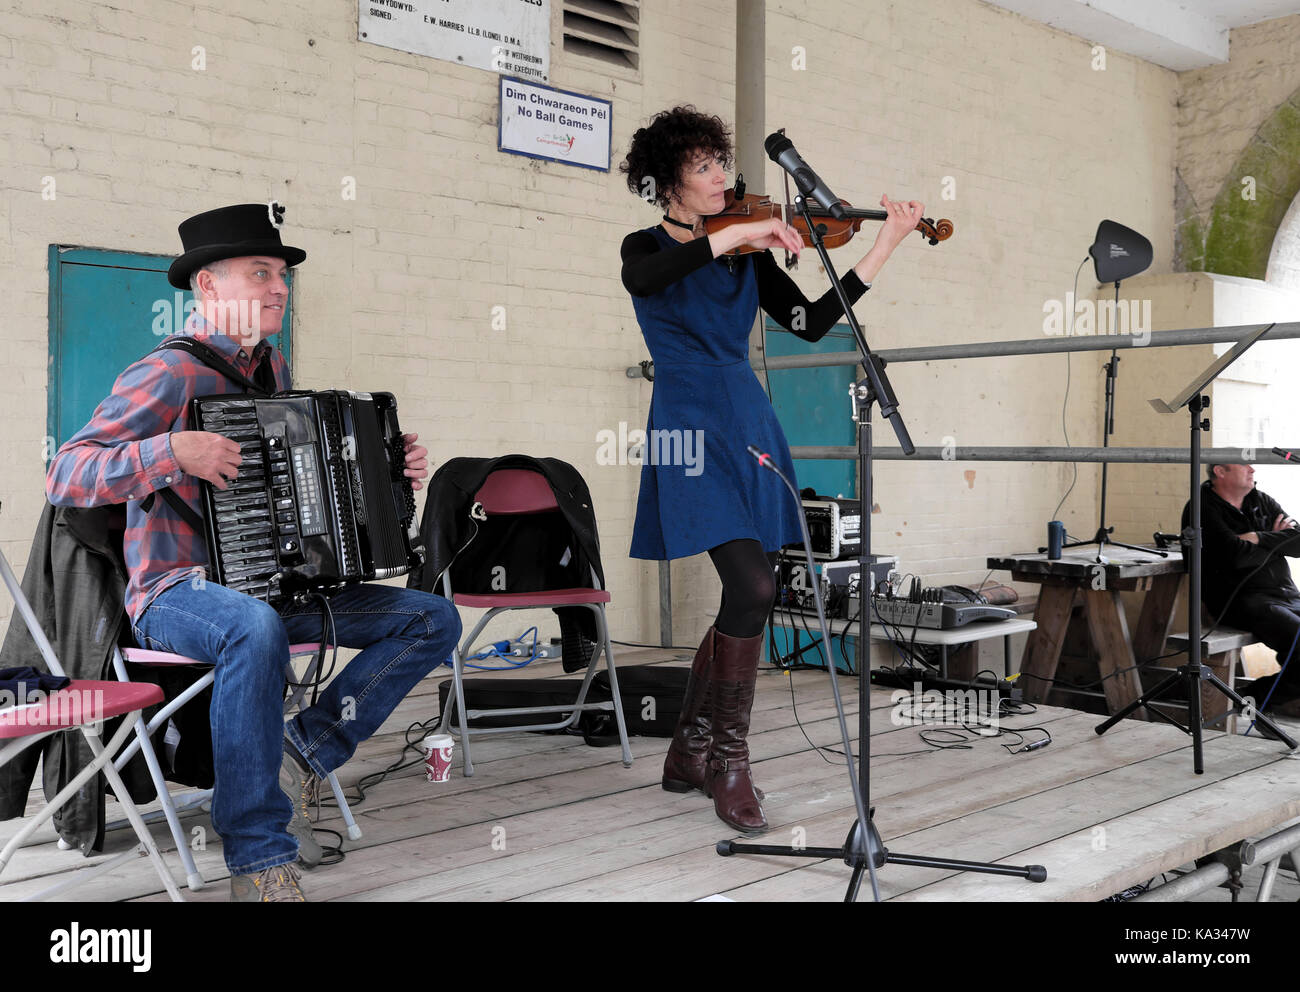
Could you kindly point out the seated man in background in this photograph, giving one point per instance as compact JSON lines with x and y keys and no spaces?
{"x":1246,"y":539}
{"x":136,"y":445}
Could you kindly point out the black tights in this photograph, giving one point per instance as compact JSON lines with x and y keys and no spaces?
{"x":748,"y":587}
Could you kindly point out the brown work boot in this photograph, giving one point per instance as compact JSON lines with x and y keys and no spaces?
{"x":727,"y":778}
{"x":279,"y":883}
{"x":689,"y":751}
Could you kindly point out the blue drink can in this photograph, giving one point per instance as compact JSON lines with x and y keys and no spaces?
{"x":1055,"y":538}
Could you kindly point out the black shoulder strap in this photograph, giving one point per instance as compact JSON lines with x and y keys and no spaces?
{"x":202,"y":353}
{"x":173,"y":500}
{"x":263,"y":384}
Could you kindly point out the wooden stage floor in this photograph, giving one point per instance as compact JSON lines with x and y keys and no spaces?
{"x":549,"y":818}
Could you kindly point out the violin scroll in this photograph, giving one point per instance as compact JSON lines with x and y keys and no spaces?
{"x":935,"y":232}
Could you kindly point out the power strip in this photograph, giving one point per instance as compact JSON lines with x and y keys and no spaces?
{"x":554,"y":649}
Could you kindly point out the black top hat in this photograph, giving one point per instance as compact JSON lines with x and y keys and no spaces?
{"x":231,"y":232}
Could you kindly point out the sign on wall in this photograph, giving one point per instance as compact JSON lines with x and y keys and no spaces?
{"x":507,"y":36}
{"x":542,"y":122}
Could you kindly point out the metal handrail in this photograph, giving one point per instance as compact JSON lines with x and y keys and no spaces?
{"x":1046,"y":345}
{"x":1033,"y":453}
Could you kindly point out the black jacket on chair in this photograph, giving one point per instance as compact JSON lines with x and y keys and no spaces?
{"x":511,"y":554}
{"x":76,"y":584}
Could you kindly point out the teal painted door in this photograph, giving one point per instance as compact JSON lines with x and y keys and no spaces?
{"x":107,"y":309}
{"x":813,"y":407}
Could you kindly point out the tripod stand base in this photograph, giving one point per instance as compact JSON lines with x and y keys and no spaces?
{"x":1192,"y":677}
{"x":852,"y":854}
{"x":1102,"y":538}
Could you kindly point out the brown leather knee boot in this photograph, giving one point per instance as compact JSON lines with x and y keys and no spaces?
{"x":731,"y":697}
{"x":689,"y":751}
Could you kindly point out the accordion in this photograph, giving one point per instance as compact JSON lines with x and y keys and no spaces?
{"x":321,"y":499}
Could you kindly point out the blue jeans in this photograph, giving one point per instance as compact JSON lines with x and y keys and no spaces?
{"x":405,"y":634}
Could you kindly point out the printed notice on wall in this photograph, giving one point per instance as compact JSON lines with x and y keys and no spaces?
{"x":542,"y":122}
{"x":507,"y":36}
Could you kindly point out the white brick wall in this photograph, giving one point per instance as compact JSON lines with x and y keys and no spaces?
{"x":399,"y":285}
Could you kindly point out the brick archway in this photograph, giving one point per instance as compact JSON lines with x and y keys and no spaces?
{"x":1240,"y":232}
{"x":1284,"y":262}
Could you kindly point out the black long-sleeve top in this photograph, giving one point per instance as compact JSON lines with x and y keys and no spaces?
{"x":1226,"y":559}
{"x":649,"y":268}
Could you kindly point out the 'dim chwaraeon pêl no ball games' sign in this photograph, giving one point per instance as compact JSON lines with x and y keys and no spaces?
{"x":512,"y":37}
{"x":543,"y":122}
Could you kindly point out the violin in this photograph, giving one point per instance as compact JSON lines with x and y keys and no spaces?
{"x":744,"y":209}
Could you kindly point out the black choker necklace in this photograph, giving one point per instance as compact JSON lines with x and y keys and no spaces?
{"x":677,"y":223}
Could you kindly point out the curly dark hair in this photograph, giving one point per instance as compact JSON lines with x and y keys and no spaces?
{"x":661,"y":149}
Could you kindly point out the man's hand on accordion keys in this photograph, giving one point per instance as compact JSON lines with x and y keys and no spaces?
{"x":208,"y":456}
{"x":417,"y":464}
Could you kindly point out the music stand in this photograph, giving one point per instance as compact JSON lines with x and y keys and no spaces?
{"x":1194,"y":673}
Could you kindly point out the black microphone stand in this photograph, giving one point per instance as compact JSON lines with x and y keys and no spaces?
{"x":863,"y":848}
{"x":1102,"y":537}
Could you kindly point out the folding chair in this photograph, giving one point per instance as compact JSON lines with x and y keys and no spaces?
{"x":82,"y":706}
{"x":521,"y":492}
{"x":143,"y":742}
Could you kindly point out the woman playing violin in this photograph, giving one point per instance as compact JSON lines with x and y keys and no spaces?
{"x":696,"y":314}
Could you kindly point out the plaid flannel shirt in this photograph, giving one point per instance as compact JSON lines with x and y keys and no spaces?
{"x":125,"y":453}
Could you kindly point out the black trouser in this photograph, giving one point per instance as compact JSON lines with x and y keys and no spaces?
{"x":748,"y":587}
{"x":1274,"y":618}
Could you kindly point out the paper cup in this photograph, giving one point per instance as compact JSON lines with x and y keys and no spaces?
{"x":437,"y":756}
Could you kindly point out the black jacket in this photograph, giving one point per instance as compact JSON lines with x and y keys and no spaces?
{"x":76,"y":583}
{"x":511,"y":554}
{"x":1227,"y":560}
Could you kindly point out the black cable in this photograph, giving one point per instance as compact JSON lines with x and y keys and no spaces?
{"x":1065,"y":401}
{"x":328,"y":638}
{"x":859,"y":800}
{"x":670,"y":647}
{"x":374,"y":778}
{"x":794,"y":706}
{"x":852,"y":666}
{"x":1250,"y":575}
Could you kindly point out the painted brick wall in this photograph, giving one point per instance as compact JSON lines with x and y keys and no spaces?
{"x":399,"y":289}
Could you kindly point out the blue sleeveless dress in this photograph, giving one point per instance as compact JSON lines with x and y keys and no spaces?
{"x":699,"y":486}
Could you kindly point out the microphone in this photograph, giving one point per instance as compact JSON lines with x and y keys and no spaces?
{"x":1290,"y":456}
{"x":764,"y":460}
{"x":781,"y":150}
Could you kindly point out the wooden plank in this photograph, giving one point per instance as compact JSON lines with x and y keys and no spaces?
{"x":415,"y":818}
{"x":574,"y":822}
{"x":592,"y":853}
{"x":1142,"y":844}
{"x":583,"y":772}
{"x":1157,"y":617}
{"x":699,"y":873}
{"x":1016,"y":832}
{"x":1043,"y":647}
{"x":1080,"y":566}
{"x":1213,"y":702}
{"x":1109,"y":630}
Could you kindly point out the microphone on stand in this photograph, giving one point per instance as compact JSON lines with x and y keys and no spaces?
{"x":781,"y":150}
